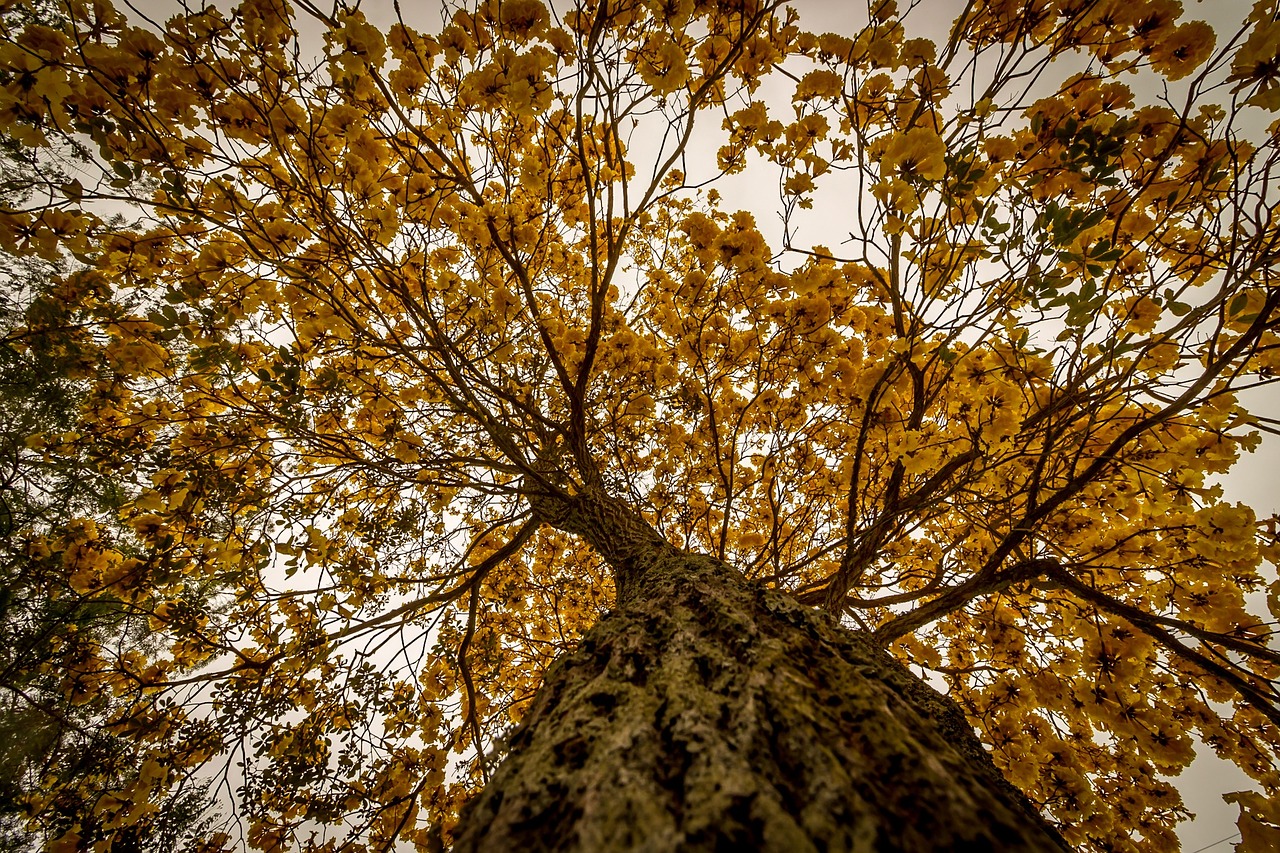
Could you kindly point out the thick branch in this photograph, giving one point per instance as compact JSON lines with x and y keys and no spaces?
{"x":615,"y":531}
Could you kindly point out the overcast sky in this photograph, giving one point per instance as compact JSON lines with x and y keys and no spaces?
{"x":1253,"y":481}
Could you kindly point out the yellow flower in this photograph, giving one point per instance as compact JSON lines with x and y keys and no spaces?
{"x":406,"y":82}
{"x":357,"y":40}
{"x":662,"y":64}
{"x":918,"y":152}
{"x":819,"y":84}
{"x":896,"y":195}
{"x":1142,"y":314}
{"x":1181,"y":52}
{"x":1259,"y":61}
{"x":523,"y":19}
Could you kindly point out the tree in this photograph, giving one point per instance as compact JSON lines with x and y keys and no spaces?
{"x":48,"y":722}
{"x":439,"y":348}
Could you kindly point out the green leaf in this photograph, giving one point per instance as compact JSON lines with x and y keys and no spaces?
{"x":1092,"y":219}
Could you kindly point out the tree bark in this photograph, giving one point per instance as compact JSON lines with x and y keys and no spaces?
{"x":707,"y":713}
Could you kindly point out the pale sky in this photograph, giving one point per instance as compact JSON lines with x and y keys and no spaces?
{"x":1251,"y":482}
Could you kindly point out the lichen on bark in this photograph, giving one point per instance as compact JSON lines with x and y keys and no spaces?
{"x":709,"y":713}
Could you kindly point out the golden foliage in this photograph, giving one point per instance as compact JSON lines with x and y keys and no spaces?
{"x":366,"y":311}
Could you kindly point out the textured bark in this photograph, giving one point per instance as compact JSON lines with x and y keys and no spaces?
{"x":706,"y":713}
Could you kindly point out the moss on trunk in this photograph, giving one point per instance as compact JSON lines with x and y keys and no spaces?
{"x":707,"y":713}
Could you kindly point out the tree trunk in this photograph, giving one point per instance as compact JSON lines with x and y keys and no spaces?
{"x":708,"y":713}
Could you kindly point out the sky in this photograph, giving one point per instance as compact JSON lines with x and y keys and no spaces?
{"x":1204,"y":783}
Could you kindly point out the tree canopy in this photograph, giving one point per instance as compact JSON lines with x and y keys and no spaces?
{"x":48,"y":732}
{"x":365,"y":314}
